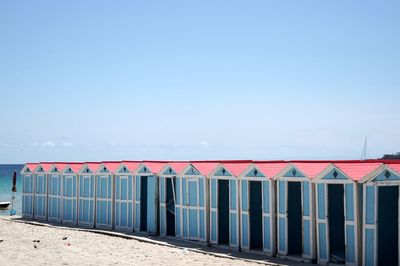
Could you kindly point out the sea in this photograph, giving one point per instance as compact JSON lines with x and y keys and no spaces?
{"x":6,"y":173}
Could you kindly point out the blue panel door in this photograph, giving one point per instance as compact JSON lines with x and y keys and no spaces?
{"x":123,"y":202}
{"x":27,"y":196}
{"x":178,"y":209}
{"x":137,"y":204}
{"x":233,"y":214}
{"x":370,"y":237}
{"x":104,"y":201}
{"x":307,"y":220}
{"x":54,"y":199}
{"x":40,"y":197}
{"x":163,"y":213}
{"x":350,"y":223}
{"x":69,"y":199}
{"x":267,"y":216}
{"x":214,"y":210}
{"x":322,"y":223}
{"x":245,"y":214}
{"x":152,"y":189}
{"x":193,"y":219}
{"x":282,"y":217}
{"x":86,"y":201}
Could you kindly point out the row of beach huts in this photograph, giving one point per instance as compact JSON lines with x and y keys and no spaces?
{"x":321,"y":211}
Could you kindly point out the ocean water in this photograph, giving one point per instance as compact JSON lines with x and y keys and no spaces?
{"x":6,"y":172}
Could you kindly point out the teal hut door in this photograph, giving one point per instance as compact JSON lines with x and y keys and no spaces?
{"x":54,"y":209}
{"x":40,"y":197}
{"x":192,"y":189}
{"x":104,"y":201}
{"x":137,"y":203}
{"x":86,"y":200}
{"x":152,"y":202}
{"x":233,"y":216}
{"x":245,"y":215}
{"x":350,"y":224}
{"x":370,"y":218}
{"x":69,"y":199}
{"x":27,"y":196}
{"x":282,"y":217}
{"x":307,"y":219}
{"x":267,"y":220}
{"x":123,"y":202}
{"x":214,"y":210}
{"x":163,"y":212}
{"x":322,"y":223}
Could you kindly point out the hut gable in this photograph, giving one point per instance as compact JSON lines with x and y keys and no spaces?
{"x":29,"y":168}
{"x":221,"y":171}
{"x":254,"y":172}
{"x":387,"y":175}
{"x":335,"y":174}
{"x":191,"y":171}
{"x":169,"y":171}
{"x":293,"y":171}
{"x":122,"y":169}
{"x":143,"y":170}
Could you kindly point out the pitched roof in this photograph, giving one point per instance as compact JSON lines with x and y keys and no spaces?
{"x":154,"y":167}
{"x":178,"y":166}
{"x":75,"y":166}
{"x":311,"y":170}
{"x":46,"y":166}
{"x":271,"y":169}
{"x":395,"y":167}
{"x":31,"y":166}
{"x":112,"y":166}
{"x":236,"y":169}
{"x":131,"y":165}
{"x":356,"y":171}
{"x":205,"y":168}
{"x":93,"y":166}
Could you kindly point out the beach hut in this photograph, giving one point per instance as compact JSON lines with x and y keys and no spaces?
{"x":224,"y":203}
{"x":70,"y":193}
{"x":191,"y":187}
{"x":296,"y":210}
{"x":54,"y":194}
{"x":257,"y":207}
{"x":104,"y":179}
{"x":146,"y":197}
{"x":86,"y":194}
{"x":170,"y":198}
{"x":40,"y":195}
{"x":337,"y":218}
{"x":381,"y":215}
{"x":27,"y":174}
{"x":124,"y":195}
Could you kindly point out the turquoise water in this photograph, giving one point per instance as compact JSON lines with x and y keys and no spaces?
{"x":6,"y":172}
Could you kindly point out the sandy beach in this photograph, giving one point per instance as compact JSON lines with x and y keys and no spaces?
{"x":86,"y":248}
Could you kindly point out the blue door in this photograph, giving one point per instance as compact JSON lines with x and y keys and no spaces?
{"x":40,"y":197}
{"x":123,"y":202}
{"x":214,"y":210}
{"x":27,"y":196}
{"x":54,"y":209}
{"x":322,"y":223}
{"x":370,"y":218}
{"x":152,"y":202}
{"x":267,"y":216}
{"x":69,"y":199}
{"x":104,"y":201}
{"x":193,"y":209}
{"x":245,"y":214}
{"x":86,"y":200}
{"x":282,"y":217}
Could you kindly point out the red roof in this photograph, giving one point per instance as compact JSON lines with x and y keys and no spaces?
{"x":132,"y":166}
{"x":236,"y":169}
{"x":395,"y":167}
{"x":112,"y":166}
{"x":205,"y":168}
{"x":31,"y":166}
{"x":270,"y":169}
{"x":154,"y":167}
{"x":75,"y":166}
{"x":60,"y":166}
{"x":46,"y":166}
{"x":178,"y":166}
{"x":356,"y":171}
{"x":93,"y":166}
{"x":311,"y":170}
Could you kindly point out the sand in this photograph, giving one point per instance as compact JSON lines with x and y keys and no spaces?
{"x":86,"y":248}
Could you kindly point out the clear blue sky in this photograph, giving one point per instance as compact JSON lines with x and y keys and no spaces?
{"x":101,"y":80}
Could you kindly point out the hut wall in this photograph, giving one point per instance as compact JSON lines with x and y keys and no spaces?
{"x":69,"y":198}
{"x":54,"y":197}
{"x":27,"y":195}
{"x":124,"y":186}
{"x":86,"y":203}
{"x":104,"y":200}
{"x":40,"y":196}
